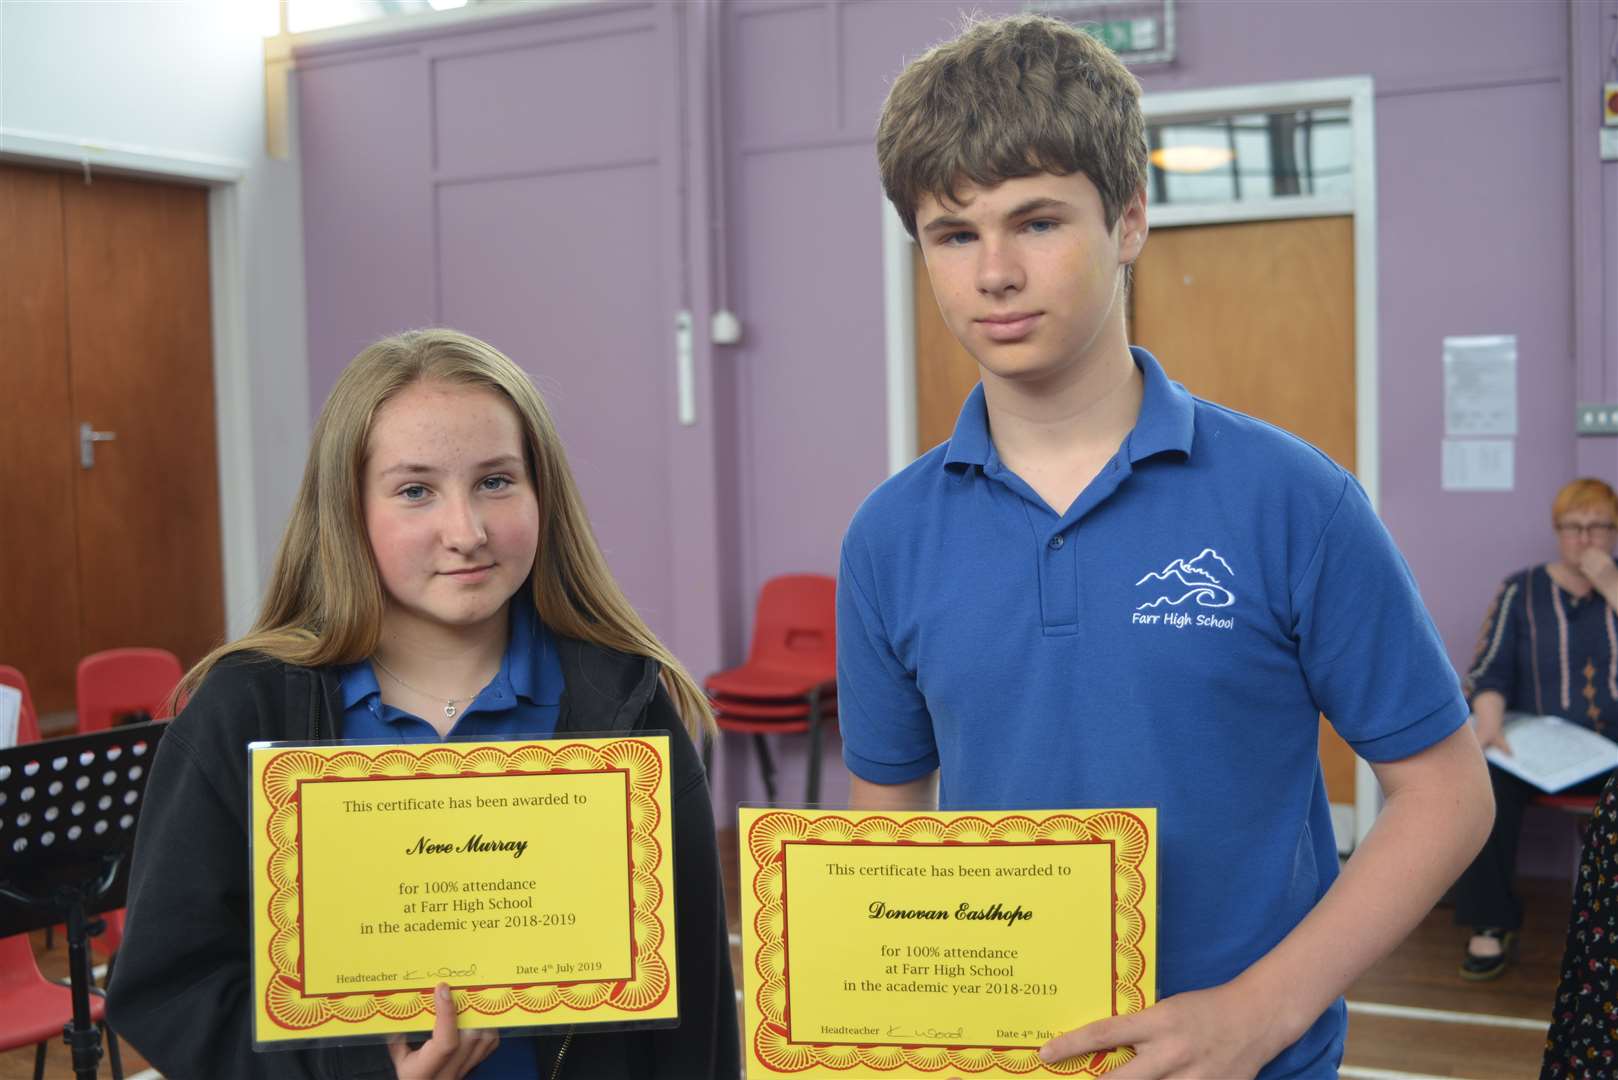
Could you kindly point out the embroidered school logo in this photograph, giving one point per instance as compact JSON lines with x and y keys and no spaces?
{"x":1198,"y":582}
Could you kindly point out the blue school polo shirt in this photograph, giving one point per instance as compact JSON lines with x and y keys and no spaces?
{"x":523,"y":699}
{"x":1168,"y":641}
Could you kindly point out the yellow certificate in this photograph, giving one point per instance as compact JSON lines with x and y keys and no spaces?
{"x":533,"y":877}
{"x":941,"y":944}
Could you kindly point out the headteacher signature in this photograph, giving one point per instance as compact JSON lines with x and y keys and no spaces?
{"x":442,"y":972}
{"x":897,"y":1031}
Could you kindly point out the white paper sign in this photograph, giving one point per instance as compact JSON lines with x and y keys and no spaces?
{"x":1480,"y":385}
{"x":10,"y":715}
{"x":1479,"y":464}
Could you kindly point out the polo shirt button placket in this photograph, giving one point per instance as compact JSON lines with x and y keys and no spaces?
{"x":1058,"y":585}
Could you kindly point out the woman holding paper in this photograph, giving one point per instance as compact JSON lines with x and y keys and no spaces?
{"x":438,"y":577}
{"x":1549,"y":646}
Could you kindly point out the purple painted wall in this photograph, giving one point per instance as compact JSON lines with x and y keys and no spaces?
{"x":567,"y":215}
{"x":456,"y":180}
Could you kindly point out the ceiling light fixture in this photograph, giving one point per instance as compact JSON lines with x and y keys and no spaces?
{"x":1191,"y":159}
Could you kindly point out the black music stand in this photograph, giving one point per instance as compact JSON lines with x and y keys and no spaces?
{"x":67,"y":828}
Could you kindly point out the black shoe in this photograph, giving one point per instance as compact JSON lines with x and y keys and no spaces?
{"x":1483,"y":968}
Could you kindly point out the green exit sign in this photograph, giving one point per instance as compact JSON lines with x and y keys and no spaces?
{"x":1124,"y":36}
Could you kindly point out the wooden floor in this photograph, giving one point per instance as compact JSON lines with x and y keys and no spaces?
{"x":1507,"y":1037}
{"x":1411,"y":1015}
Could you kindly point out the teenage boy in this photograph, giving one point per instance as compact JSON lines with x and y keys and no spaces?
{"x":1102,"y":591}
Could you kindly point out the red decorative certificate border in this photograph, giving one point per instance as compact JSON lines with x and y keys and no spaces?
{"x":285,"y":1002}
{"x":765,"y":847}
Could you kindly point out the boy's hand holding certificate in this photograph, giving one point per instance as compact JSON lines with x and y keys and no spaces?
{"x":920,"y":944}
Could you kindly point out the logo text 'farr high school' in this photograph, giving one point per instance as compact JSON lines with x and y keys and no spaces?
{"x":1198,"y":582}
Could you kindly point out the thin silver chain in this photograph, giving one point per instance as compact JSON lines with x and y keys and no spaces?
{"x":449,"y":703}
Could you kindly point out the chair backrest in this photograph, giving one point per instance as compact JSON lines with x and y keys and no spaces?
{"x":795,"y":626}
{"x":18,"y":968}
{"x":28,"y":722}
{"x":124,"y":681}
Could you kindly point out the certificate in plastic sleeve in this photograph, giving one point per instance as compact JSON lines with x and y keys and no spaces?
{"x":534,"y":877}
{"x":942,"y":944}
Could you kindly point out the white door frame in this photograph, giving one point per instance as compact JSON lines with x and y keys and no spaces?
{"x":233,"y":435}
{"x":1358,"y":94}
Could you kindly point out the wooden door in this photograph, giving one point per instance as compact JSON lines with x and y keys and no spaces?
{"x":1258,"y":316}
{"x":945,"y":371}
{"x":140,"y":349}
{"x":39,"y":574}
{"x":119,"y":338}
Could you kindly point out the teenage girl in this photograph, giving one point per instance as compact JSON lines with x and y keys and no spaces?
{"x":438,"y":577}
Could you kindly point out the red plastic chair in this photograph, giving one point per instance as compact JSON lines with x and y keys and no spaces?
{"x":106,"y":943}
{"x":121,"y":681}
{"x":794,"y":647}
{"x":768,"y":712}
{"x":28,"y":722}
{"x":33,"y":1009}
{"x":1584,"y":805}
{"x":789,"y":683}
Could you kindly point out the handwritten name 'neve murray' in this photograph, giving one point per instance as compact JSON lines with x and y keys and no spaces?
{"x":995,"y":912}
{"x":475,"y":845}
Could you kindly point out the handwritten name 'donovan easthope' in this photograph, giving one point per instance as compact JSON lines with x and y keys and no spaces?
{"x":475,"y":844}
{"x":995,"y":912}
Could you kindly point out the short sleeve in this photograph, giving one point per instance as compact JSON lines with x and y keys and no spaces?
{"x":1367,"y":646}
{"x":1494,"y":666}
{"x":887,"y":731}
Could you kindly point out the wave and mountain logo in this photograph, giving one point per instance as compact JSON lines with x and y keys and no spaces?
{"x":1200,"y":580}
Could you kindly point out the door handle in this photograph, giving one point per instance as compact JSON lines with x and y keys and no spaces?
{"x":88,"y":437}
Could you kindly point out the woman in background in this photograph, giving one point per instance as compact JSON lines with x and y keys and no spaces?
{"x":1549,"y":646}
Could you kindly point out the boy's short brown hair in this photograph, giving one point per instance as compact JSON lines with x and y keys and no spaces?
{"x":1006,"y":98}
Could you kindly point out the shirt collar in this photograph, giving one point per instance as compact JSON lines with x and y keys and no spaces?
{"x":969,"y":444}
{"x":519,"y":671}
{"x":1166,"y":423}
{"x":358,"y":682}
{"x":1168,"y":412}
{"x":518,"y":676}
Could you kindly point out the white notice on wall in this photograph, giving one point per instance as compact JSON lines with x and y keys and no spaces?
{"x":1479,"y":464}
{"x":1480,"y":385}
{"x":10,"y":715}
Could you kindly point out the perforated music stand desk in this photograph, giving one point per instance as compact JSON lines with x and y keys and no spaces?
{"x":67,"y":828}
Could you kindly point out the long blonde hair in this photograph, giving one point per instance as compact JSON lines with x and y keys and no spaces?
{"x":325,"y":599}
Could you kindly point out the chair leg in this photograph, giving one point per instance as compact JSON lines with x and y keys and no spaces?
{"x":765,"y":766}
{"x":813,"y":795}
{"x":114,"y":1058}
{"x":39,"y":1061}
